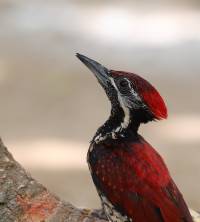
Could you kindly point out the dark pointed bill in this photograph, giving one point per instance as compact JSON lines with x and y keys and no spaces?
{"x":101,"y":73}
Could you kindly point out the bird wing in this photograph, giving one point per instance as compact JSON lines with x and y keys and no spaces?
{"x":136,"y":181}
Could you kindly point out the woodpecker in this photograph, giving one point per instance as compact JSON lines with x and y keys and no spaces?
{"x":131,"y":178}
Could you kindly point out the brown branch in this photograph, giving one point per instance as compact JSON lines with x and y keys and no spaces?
{"x":23,"y":199}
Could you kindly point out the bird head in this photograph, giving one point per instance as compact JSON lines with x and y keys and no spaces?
{"x":128,"y":92}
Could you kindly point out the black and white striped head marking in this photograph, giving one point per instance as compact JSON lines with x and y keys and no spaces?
{"x":126,"y":98}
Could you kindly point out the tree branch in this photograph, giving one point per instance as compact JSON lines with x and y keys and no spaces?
{"x":23,"y":199}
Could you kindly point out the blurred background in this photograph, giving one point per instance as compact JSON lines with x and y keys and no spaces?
{"x":51,"y":105}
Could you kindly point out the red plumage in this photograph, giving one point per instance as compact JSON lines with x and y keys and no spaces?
{"x":133,"y":176}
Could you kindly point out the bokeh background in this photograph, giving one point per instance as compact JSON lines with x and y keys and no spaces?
{"x":51,"y":104}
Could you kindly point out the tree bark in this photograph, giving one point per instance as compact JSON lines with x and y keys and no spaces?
{"x":23,"y":199}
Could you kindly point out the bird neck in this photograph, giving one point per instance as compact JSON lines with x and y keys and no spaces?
{"x":120,"y":124}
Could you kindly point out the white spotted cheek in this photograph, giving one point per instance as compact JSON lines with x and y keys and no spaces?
{"x":132,"y":102}
{"x":127,"y":102}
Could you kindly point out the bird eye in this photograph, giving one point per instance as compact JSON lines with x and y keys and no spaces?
{"x":123,"y":83}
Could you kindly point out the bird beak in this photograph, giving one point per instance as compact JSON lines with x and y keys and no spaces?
{"x":101,"y":73}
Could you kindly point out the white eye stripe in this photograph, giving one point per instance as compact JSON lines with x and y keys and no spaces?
{"x":129,"y":83}
{"x":132,"y":90}
{"x":126,"y":110}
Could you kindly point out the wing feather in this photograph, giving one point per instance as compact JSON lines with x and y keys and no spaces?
{"x":136,"y":180}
